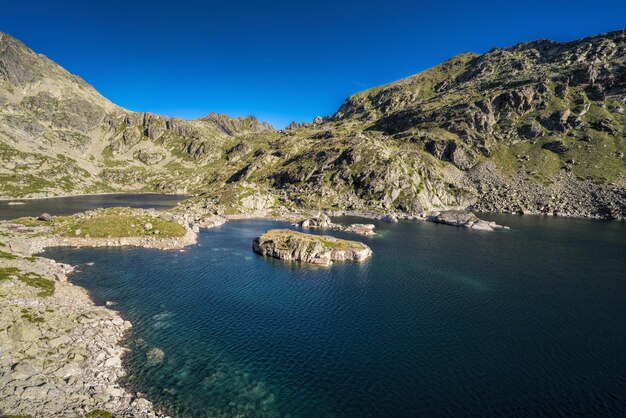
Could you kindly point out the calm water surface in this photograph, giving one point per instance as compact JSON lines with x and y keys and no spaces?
{"x":74,"y":204}
{"x":442,"y":321}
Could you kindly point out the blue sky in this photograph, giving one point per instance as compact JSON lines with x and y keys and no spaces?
{"x":280,"y":60}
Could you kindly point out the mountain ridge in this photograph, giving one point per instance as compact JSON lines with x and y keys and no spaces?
{"x":537,"y":127}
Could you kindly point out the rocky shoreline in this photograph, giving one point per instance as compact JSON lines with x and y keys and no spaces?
{"x":60,"y":354}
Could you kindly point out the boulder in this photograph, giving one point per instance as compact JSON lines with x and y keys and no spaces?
{"x":46,"y":217}
{"x":24,"y":331}
{"x":361,"y":229}
{"x":389,"y":218}
{"x":529,"y":131}
{"x":321,"y":221}
{"x":22,"y":371}
{"x":555,"y":146}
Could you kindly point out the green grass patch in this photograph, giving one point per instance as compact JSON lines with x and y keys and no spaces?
{"x":7,"y":256}
{"x":46,"y":286}
{"x":31,"y":316}
{"x":114,"y":225}
{"x":7,"y":272}
{"x":541,"y":166}
{"x":17,"y":185}
{"x":597,"y":159}
{"x":109,"y":223}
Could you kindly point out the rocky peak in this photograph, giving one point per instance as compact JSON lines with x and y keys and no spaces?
{"x":22,"y":71}
{"x":317,"y":120}
{"x":236,"y":126}
{"x":17,"y":62}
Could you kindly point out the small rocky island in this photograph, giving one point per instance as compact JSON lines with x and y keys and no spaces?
{"x":323,"y":221}
{"x":316,"y":249}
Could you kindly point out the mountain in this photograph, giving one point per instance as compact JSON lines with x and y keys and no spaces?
{"x":539,"y":127}
{"x":58,"y":135}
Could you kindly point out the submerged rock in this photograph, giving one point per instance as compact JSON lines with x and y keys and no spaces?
{"x":316,"y":249}
{"x":155,"y":356}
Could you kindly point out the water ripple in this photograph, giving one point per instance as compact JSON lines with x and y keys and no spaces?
{"x":440,"y":322}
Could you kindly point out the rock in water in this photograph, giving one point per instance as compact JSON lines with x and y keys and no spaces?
{"x":155,"y":356}
{"x":389,"y":218}
{"x":321,"y":221}
{"x":463,"y":218}
{"x":361,"y":229}
{"x":316,"y":249}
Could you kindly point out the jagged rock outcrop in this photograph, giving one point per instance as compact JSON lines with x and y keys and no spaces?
{"x":236,"y":126}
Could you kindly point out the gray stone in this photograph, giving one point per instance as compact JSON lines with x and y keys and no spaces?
{"x":44,"y":217}
{"x":24,"y":331}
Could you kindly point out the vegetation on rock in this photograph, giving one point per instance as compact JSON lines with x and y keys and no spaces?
{"x":45,"y":286}
{"x":317,"y":249}
{"x":110,"y":223}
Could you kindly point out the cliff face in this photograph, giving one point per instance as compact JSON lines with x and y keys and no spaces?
{"x":539,"y":127}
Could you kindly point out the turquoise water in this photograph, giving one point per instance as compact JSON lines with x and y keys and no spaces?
{"x":74,"y":204}
{"x":441,"y":321}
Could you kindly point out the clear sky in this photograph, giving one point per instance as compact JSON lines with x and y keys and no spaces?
{"x":277,"y":60}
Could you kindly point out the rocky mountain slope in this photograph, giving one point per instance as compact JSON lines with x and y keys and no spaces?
{"x":58,"y":135}
{"x":539,"y":127}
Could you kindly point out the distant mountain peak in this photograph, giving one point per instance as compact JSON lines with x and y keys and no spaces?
{"x":236,"y":125}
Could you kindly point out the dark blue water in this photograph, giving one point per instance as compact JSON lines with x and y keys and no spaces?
{"x":74,"y":204}
{"x":442,"y":321}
